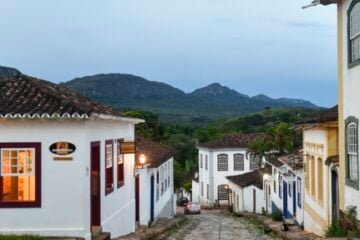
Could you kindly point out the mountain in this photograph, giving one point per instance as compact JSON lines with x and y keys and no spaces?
{"x":8,"y":72}
{"x":125,"y":91}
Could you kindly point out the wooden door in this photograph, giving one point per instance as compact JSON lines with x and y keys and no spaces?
{"x":137,"y":198}
{"x":95,"y":190}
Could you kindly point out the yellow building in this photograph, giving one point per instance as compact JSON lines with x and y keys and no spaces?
{"x":320,"y":146}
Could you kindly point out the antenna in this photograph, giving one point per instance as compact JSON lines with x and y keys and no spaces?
{"x":313,"y":4}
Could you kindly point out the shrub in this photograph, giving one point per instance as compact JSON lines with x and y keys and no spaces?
{"x":336,"y":231}
{"x":277,"y":215}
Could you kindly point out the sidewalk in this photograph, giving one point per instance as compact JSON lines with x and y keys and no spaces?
{"x":294,"y":232}
{"x":159,"y":228}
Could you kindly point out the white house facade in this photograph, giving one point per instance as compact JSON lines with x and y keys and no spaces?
{"x":63,"y":168}
{"x":218,"y":159}
{"x":157,"y":197}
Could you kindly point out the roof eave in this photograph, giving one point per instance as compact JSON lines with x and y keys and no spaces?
{"x":117,"y":118}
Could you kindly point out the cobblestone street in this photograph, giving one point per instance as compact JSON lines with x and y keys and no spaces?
{"x":213,"y":225}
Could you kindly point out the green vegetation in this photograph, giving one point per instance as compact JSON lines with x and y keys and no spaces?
{"x":346,"y":225}
{"x":276,"y":216}
{"x":22,"y":237}
{"x":276,"y":123}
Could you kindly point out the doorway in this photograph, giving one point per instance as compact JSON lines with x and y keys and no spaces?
{"x":334,"y":195}
{"x":95,"y":190}
{"x":137,"y":198}
{"x":294,"y":198}
{"x":254,"y":200}
{"x":152,"y":198}
{"x":285,"y":199}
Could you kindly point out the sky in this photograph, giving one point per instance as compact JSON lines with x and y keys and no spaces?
{"x":252,"y":46}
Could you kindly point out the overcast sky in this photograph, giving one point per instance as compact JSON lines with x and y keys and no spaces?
{"x":254,"y":46}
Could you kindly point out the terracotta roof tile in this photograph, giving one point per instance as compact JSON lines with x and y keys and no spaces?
{"x":238,"y":140}
{"x":332,"y":159}
{"x":24,"y":96}
{"x":293,"y":160}
{"x":156,"y":153}
{"x":251,"y":178}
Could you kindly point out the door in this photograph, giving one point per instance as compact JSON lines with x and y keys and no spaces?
{"x":294,"y":198}
{"x":285,"y":199}
{"x":137,"y":198}
{"x":254,"y":200}
{"x":95,"y":184}
{"x":334,"y":195}
{"x":152,"y":198}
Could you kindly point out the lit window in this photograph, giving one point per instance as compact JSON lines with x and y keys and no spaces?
{"x":354,"y":32}
{"x":120,"y":165}
{"x":109,"y":159}
{"x":222,"y":162}
{"x":20,"y":175}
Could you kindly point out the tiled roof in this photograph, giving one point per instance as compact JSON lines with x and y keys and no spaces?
{"x":293,"y":160}
{"x":238,"y":140}
{"x":27,"y":97}
{"x":251,"y":178}
{"x":274,"y":161}
{"x":332,"y":159}
{"x":156,"y":153}
{"x":329,"y":115}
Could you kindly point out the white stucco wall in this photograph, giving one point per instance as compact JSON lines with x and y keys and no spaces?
{"x":215,"y":178}
{"x":163,"y":207}
{"x":195,"y":192}
{"x":246,"y":198}
{"x":316,"y":136}
{"x":351,"y":95}
{"x":65,"y":205}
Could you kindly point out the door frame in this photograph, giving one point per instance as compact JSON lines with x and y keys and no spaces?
{"x":152,"y":198}
{"x":98,"y":163}
{"x":254,"y":200}
{"x":334,"y":194}
{"x":137,"y":198}
{"x":285,"y":199}
{"x":294,"y":198}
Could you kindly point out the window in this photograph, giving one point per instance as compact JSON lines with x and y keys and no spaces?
{"x":202,"y":189}
{"x":207,"y":191}
{"x":206,"y":162}
{"x":239,"y":162}
{"x":222,"y":162}
{"x":254,"y":162}
{"x":274,"y":180}
{"x":120,"y":165}
{"x":162,"y":180}
{"x":223,"y":193}
{"x":354,"y":33}
{"x":320,"y":181}
{"x":169,"y":174}
{"x":237,"y":201}
{"x":352,"y":149}
{"x":280,"y":186}
{"x":290,"y":189}
{"x":299,"y":192}
{"x":20,"y":175}
{"x":201,"y":161}
{"x":109,"y":168}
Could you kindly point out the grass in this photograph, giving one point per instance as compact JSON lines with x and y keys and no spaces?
{"x":335,"y":231}
{"x":276,"y":216}
{"x":22,"y":237}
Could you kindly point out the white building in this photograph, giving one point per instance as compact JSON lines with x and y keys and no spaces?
{"x":67,"y":163}
{"x":156,"y":178}
{"x":284,"y":188}
{"x":247,"y":191}
{"x":218,"y":159}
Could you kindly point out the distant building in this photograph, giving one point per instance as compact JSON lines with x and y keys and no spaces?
{"x":67,"y":163}
{"x":156,"y":181}
{"x":320,"y":146}
{"x":247,"y":191}
{"x":284,"y":188}
{"x":227,"y":156}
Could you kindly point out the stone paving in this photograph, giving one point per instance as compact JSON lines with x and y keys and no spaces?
{"x":213,"y":225}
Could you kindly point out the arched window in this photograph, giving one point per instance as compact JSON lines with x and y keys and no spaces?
{"x":222,"y":162}
{"x":352,"y":149}
{"x":254,"y":162}
{"x":238,"y":162}
{"x":354,"y":32}
{"x":223,"y":192}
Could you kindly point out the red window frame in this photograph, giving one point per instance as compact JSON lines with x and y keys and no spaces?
{"x":37,"y":202}
{"x":109,"y":172}
{"x":120,"y":167}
